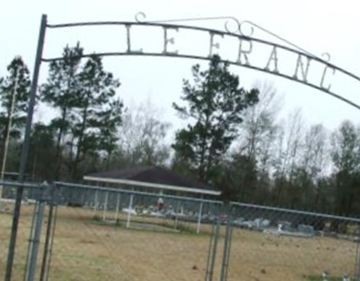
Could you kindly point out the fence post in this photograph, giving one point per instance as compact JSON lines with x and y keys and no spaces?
{"x":209,"y":252}
{"x":212,"y":251}
{"x":50,"y":232}
{"x":357,"y":257}
{"x":227,"y":245}
{"x":44,"y":274}
{"x":129,"y":211}
{"x":199,"y":218}
{"x":35,"y":242}
{"x":29,"y":249}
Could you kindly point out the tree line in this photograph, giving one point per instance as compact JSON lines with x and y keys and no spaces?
{"x":234,"y":139}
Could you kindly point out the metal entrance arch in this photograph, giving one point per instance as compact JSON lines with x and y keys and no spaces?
{"x":307,"y":69}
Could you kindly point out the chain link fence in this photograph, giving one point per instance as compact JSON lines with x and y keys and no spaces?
{"x":32,"y":196}
{"x":279,"y":244}
{"x":113,"y":234}
{"x":81,"y":232}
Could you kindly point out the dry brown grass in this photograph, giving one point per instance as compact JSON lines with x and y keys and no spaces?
{"x":87,"y":250}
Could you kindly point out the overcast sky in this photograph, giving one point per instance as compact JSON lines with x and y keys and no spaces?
{"x":317,"y":26}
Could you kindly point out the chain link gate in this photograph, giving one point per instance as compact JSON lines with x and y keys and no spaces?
{"x":36,"y":200}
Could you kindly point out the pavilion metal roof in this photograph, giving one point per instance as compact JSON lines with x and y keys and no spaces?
{"x":152,"y":177}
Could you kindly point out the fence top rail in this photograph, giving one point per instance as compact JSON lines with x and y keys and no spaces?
{"x":297,"y":212}
{"x":153,"y":185}
{"x":133,"y":192}
{"x":17,"y":184}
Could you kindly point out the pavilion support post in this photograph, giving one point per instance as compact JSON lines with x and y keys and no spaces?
{"x":199,"y":218}
{"x":96,"y":199}
{"x":105,"y":205}
{"x":118,"y":198}
{"x":177,"y":214}
{"x":129,"y":211}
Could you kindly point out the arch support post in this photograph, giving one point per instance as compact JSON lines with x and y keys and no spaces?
{"x":25,"y":149}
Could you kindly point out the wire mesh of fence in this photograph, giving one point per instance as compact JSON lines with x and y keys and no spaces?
{"x":273,"y":243}
{"x":129,"y":235}
{"x":32,"y":194}
{"x":81,"y":232}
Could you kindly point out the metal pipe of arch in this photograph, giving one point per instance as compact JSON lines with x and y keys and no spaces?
{"x":299,"y":75}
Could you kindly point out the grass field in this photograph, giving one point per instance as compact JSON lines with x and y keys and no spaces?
{"x":86,"y":249}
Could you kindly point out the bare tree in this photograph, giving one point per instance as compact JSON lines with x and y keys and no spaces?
{"x":143,"y":136}
{"x":289,"y":143}
{"x":260,"y":128}
{"x":315,"y":157}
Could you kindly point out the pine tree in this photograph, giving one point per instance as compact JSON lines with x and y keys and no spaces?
{"x":61,"y":92}
{"x":97,"y":114}
{"x":14,"y":92}
{"x":84,"y":94}
{"x":215,"y":104}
